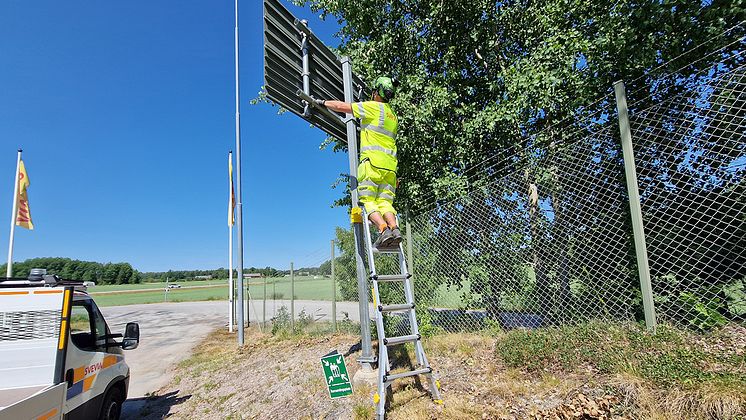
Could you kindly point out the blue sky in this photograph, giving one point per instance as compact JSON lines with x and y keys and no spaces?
{"x":125,"y":112}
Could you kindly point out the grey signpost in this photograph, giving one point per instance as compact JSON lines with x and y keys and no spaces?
{"x":298,"y":67}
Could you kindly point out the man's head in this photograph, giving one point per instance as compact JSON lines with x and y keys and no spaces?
{"x":384,"y":88}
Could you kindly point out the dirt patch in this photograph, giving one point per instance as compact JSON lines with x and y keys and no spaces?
{"x":280,"y":378}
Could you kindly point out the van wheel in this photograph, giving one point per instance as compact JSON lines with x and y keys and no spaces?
{"x":112,"y":407}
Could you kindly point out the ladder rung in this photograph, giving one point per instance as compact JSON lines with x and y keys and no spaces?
{"x":390,"y":277}
{"x":395,"y":376}
{"x":395,"y":250}
{"x":399,"y":340}
{"x":392,"y":308}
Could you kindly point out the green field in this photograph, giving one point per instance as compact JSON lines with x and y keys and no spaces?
{"x":306,"y":288}
{"x":159,"y":285}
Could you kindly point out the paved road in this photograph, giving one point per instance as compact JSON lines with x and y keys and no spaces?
{"x":169,"y":331}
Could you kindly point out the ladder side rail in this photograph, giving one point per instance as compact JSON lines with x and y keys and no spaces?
{"x":368,"y":243}
{"x":409,"y":296}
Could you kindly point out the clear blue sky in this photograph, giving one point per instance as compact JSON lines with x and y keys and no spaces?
{"x":125,"y":112}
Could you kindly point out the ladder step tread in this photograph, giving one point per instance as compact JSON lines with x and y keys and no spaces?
{"x":393,"y":250}
{"x":392,"y":341}
{"x":394,"y":376}
{"x":398,"y":307}
{"x":390,"y":277}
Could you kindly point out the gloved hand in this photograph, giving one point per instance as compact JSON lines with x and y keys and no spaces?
{"x":321,"y":102}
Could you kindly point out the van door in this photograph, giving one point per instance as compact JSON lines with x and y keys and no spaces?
{"x":92,"y":365}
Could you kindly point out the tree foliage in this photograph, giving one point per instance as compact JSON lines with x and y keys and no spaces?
{"x":480,"y":77}
{"x":66,"y":268}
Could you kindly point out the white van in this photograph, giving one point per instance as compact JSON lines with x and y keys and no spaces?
{"x":58,"y":358}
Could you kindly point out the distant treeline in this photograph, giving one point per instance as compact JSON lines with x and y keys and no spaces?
{"x":219,"y":273}
{"x":123,"y":273}
{"x":222,"y":273}
{"x":108,"y":273}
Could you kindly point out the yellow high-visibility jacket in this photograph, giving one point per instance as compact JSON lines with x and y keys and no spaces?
{"x":378,"y":125}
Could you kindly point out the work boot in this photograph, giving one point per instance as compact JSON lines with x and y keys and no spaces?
{"x":385,"y":236}
{"x":394,"y":240}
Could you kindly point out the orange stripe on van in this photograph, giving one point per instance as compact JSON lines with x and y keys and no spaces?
{"x":48,"y":415}
{"x":13,"y":293}
{"x":110,"y":360}
{"x":47,"y":292}
{"x":78,"y":374}
{"x":88,"y":382}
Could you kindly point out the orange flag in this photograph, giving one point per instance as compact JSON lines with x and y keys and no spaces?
{"x":23,"y":216}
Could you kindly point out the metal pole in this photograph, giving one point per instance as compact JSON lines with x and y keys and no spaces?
{"x":264,"y":304}
{"x":306,"y":72}
{"x":292,"y":298}
{"x":13,"y":215}
{"x":231,"y":295}
{"x":239,"y":204}
{"x":634,"y":206}
{"x":334,"y":292}
{"x":366,"y":358}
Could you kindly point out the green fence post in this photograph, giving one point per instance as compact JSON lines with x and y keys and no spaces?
{"x":634,"y":206}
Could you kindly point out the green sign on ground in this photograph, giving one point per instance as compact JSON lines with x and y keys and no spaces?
{"x":335,"y":374}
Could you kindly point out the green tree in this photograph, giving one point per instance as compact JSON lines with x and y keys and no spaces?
{"x":500,"y":80}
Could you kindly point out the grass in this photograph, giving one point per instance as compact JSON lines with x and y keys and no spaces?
{"x":673,"y":371}
{"x":612,"y":370}
{"x":155,"y":285}
{"x":306,"y":288}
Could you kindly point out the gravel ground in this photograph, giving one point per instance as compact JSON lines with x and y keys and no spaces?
{"x":169,"y":332}
{"x":280,"y":378}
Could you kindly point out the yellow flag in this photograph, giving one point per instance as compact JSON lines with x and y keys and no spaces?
{"x":232,"y":203}
{"x":23,"y":216}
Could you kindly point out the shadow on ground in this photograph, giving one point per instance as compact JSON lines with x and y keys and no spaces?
{"x":153,"y":407}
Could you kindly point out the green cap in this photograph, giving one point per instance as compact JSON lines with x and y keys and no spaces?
{"x":385,"y":88}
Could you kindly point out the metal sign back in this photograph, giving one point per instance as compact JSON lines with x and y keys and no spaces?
{"x":283,"y":69}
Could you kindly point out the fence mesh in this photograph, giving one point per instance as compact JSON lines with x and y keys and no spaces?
{"x":691,"y":160}
{"x":545,"y":237}
{"x":547,"y":243}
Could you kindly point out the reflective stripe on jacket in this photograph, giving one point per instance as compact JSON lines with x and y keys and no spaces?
{"x":378,"y":125}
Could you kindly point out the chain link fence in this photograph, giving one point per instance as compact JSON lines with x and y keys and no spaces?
{"x":691,"y":160}
{"x":545,"y":237}
{"x":548,"y":240}
{"x":547,"y":243}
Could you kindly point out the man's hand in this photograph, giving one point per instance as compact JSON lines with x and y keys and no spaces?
{"x":320,"y":102}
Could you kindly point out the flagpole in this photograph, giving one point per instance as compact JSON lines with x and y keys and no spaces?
{"x":231,"y":309}
{"x":14,"y":214}
{"x":239,"y":204}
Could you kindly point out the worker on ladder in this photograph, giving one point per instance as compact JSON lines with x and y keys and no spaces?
{"x":377,"y":171}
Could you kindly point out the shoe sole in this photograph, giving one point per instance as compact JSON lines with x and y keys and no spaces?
{"x":392,"y":242}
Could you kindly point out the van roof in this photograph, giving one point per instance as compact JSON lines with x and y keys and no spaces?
{"x":46,"y":281}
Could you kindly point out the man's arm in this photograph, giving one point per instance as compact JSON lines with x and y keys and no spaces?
{"x":337,"y":106}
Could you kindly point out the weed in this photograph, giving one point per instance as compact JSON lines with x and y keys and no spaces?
{"x":304,"y":320}
{"x":362,"y":411}
{"x":281,"y":321}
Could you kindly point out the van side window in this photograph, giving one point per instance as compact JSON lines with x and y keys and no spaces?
{"x":99,"y":323}
{"x":82,"y":332}
{"x":87,"y":327}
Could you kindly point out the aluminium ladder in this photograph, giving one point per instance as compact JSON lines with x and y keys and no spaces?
{"x":385,"y":377}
